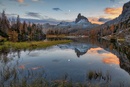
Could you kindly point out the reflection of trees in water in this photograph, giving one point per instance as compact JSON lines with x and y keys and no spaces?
{"x":121,"y":50}
{"x":11,"y":73}
{"x":56,"y":38}
{"x":8,"y":56}
{"x":98,"y":76}
{"x":4,"y":59}
{"x":12,"y":76}
{"x":8,"y":69}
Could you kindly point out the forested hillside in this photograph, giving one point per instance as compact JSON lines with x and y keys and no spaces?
{"x":15,"y":30}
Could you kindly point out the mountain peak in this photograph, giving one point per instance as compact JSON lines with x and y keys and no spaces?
{"x":81,"y":22}
{"x":80,"y":17}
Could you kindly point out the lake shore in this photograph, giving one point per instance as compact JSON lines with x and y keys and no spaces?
{"x":30,"y":45}
{"x":64,"y":36}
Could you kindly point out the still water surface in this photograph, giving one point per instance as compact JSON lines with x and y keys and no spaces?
{"x":76,"y":59}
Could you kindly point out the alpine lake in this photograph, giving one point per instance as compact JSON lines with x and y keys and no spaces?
{"x":82,"y":61}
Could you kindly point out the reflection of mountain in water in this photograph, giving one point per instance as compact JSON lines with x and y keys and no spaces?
{"x":122,"y":51}
{"x":79,"y":53}
{"x":79,"y":48}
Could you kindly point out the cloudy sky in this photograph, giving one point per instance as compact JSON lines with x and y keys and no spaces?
{"x":97,"y":11}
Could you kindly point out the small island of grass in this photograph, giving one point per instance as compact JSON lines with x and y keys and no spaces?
{"x":30,"y":45}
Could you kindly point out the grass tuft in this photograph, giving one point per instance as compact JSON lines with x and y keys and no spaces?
{"x":30,"y":45}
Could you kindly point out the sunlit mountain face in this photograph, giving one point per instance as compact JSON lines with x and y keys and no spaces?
{"x":56,"y":11}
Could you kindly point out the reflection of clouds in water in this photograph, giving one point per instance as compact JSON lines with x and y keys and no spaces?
{"x":37,"y":53}
{"x":35,"y":68}
{"x":111,"y":59}
{"x":59,"y":59}
{"x":23,"y":66}
{"x":52,"y":48}
{"x":94,"y":50}
{"x":108,"y":58}
{"x":34,"y":54}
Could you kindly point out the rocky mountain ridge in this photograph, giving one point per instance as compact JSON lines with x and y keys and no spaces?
{"x":125,"y":15}
{"x":118,"y":28}
{"x":81,"y":22}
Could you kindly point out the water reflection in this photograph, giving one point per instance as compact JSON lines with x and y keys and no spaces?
{"x":79,"y":53}
{"x":111,"y":59}
{"x":76,"y":59}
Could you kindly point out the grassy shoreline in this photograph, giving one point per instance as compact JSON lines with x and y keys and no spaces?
{"x":30,"y":45}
